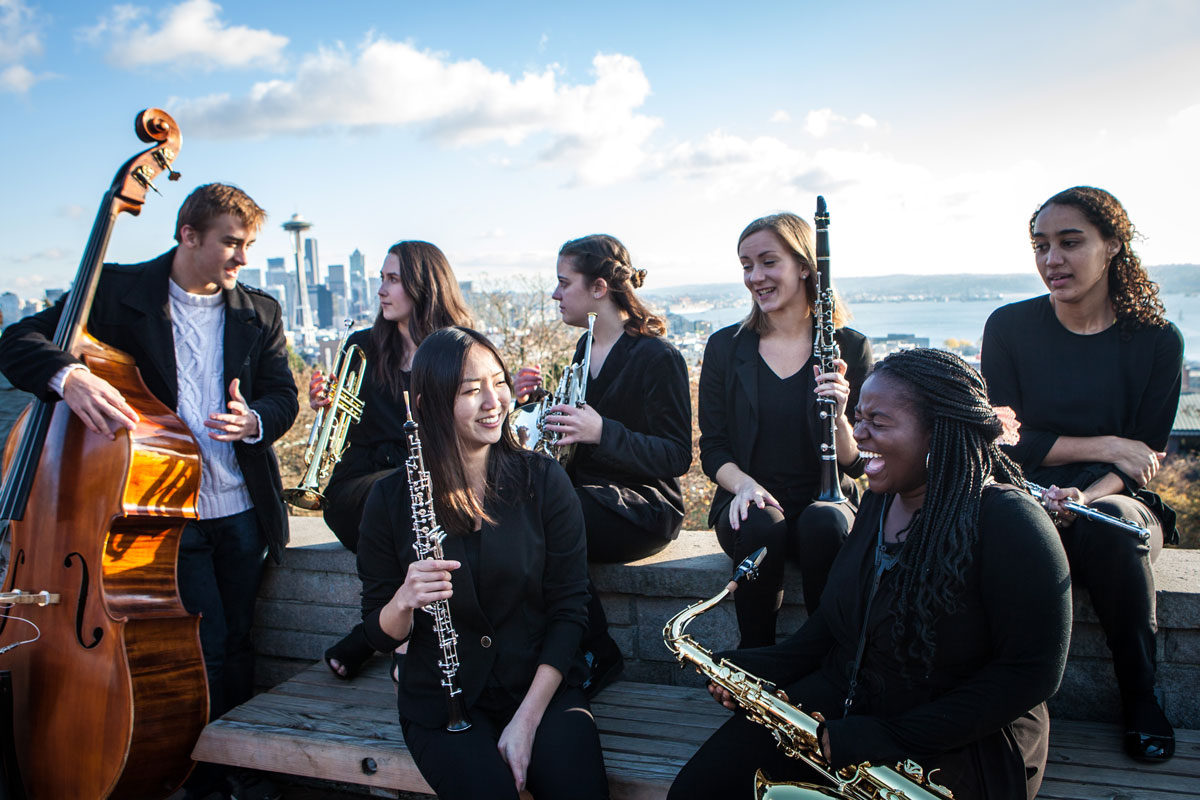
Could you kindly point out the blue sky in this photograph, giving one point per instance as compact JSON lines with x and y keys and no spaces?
{"x":933,"y":129}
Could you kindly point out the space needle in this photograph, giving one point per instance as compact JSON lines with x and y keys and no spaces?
{"x":307,"y":335}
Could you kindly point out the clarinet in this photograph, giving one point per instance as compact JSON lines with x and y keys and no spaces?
{"x":826,"y":350}
{"x":428,"y":544}
{"x":1087,"y":512}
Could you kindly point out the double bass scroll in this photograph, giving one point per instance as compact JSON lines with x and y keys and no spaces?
{"x":111,"y":698}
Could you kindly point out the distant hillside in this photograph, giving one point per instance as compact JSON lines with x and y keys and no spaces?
{"x":1171,"y":278}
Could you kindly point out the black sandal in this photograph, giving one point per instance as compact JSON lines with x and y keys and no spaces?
{"x":351,"y":652}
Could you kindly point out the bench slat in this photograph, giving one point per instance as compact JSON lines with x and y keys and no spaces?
{"x":317,"y":726}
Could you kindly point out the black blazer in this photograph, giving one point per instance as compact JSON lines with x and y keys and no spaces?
{"x":131,"y":312}
{"x":729,"y":402}
{"x":646,"y":441}
{"x":530,"y":607}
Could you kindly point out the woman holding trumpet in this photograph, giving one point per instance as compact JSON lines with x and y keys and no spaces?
{"x":945,"y":622}
{"x":1093,"y":371}
{"x":418,"y":294}
{"x":514,"y":579}
{"x":633,"y":436}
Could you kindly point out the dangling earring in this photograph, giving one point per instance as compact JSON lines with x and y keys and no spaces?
{"x":927,"y":462}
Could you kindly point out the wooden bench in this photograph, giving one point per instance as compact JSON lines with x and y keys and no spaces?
{"x":318,"y":727}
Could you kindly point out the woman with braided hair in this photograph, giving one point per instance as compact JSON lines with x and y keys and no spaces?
{"x":946,"y":618}
{"x":633,"y":436}
{"x":1093,"y":371}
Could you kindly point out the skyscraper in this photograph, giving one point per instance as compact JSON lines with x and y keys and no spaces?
{"x":359,"y":299}
{"x":312,"y":263}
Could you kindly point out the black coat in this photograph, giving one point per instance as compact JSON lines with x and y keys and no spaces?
{"x":646,"y":442}
{"x":131,"y":312}
{"x":729,"y":402}
{"x":522,"y":604}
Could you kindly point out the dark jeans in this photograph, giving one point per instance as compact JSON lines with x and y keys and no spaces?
{"x":566,"y":761}
{"x":220,"y":566}
{"x":1117,"y":575}
{"x":811,"y":536}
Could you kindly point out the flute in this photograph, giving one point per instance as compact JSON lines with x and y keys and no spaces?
{"x":1079,"y":509}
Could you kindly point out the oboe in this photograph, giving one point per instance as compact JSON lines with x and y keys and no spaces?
{"x":428,"y":544}
{"x":1079,"y":509}
{"x":826,"y":350}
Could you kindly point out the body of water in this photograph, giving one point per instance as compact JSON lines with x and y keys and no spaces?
{"x":961,"y":319}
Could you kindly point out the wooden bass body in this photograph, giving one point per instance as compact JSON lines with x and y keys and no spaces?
{"x":112,"y":697}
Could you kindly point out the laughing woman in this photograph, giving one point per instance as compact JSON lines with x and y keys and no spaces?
{"x":515,"y":576}
{"x":418,"y":294}
{"x":758,"y":438}
{"x":945,"y":623}
{"x":1093,"y":371}
{"x":633,"y":437}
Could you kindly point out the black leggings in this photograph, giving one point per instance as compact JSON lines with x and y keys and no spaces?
{"x":811,"y":536}
{"x":345,"y":499}
{"x":1117,"y":575}
{"x":611,"y":539}
{"x":566,"y":760}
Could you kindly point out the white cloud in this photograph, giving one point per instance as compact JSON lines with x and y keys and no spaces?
{"x":781,"y":116}
{"x":19,"y":40}
{"x":820,"y":122}
{"x":16,"y":79}
{"x":49,"y":254}
{"x":189,"y":34}
{"x":593,"y":128}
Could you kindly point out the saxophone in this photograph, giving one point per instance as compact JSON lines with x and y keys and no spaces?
{"x":528,"y":422}
{"x":428,"y":544}
{"x":795,"y":731}
{"x":826,"y":350}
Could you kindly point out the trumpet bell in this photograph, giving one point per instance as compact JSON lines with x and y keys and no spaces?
{"x":766,"y":789}
{"x":303,"y":497}
{"x":523,"y":420}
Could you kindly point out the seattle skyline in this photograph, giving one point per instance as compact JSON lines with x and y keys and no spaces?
{"x":932,"y":130}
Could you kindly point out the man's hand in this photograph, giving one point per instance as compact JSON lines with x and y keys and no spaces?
{"x":97,"y":403}
{"x":238,"y":424}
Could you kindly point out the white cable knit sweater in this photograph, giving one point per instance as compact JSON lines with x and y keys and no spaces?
{"x":198,"y":323}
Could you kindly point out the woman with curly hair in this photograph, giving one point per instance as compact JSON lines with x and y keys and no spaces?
{"x":633,"y":436}
{"x":945,"y":622}
{"x":1093,"y":371}
{"x":418,"y":294}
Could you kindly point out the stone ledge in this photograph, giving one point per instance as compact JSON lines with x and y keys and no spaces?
{"x":694,"y":566}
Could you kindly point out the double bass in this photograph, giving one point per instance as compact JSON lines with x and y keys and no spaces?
{"x":110,"y":692}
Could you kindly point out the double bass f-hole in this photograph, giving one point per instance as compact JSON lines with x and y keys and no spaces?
{"x":81,"y":603}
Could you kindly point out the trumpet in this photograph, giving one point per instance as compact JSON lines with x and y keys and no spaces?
{"x":528,"y":422}
{"x":795,"y":731}
{"x":327,"y":438}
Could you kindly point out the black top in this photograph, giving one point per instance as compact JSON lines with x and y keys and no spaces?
{"x":1000,"y":655}
{"x":131,"y":312}
{"x":376,"y":441}
{"x":530,"y":604}
{"x":731,"y":411}
{"x":646,"y":442}
{"x":1061,"y":383}
{"x":773,"y":461}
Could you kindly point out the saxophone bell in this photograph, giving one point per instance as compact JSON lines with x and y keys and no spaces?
{"x":327,"y":438}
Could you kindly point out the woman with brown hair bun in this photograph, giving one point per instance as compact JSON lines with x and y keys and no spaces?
{"x":1093,"y":371}
{"x":633,"y":436}
{"x":418,"y":294}
{"x":759,"y":441}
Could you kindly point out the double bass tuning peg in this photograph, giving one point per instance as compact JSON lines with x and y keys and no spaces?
{"x":164,"y":156}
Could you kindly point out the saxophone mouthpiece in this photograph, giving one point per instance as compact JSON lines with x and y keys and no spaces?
{"x":748,"y":569}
